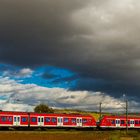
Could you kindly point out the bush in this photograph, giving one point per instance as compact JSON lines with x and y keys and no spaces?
{"x":43,"y":108}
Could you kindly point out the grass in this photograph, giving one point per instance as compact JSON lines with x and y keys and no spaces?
{"x":69,"y":135}
{"x":53,"y":136}
{"x":122,"y":135}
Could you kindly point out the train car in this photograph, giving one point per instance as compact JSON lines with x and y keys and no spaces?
{"x":51,"y":120}
{"x":61,"y":120}
{"x":119,"y":122}
{"x":14,"y":119}
{"x":26,"y":119}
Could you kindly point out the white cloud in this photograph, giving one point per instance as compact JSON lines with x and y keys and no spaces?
{"x":22,"y":73}
{"x":16,"y":107}
{"x":25,"y":72}
{"x":23,"y":97}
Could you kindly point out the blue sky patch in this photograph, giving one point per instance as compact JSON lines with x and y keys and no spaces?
{"x":46,"y":76}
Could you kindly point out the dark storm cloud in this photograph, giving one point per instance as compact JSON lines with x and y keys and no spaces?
{"x":97,"y":39}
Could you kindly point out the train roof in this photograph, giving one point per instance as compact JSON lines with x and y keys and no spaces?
{"x":121,"y":116}
{"x":50,"y":114}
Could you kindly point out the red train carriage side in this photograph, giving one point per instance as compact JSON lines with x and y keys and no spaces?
{"x":24,"y":119}
{"x":15,"y":119}
{"x":61,"y":120}
{"x":119,"y":122}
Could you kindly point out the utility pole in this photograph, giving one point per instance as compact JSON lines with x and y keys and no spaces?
{"x":126,"y":115}
{"x":100,"y":109}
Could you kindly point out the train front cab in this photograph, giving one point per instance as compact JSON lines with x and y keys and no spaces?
{"x":118,"y":122}
{"x":111,"y":122}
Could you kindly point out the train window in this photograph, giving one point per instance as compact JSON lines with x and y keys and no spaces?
{"x":113,"y":122}
{"x":73,"y":120}
{"x":66,"y":120}
{"x":53,"y":120}
{"x":42,"y":119}
{"x":38,"y":119}
{"x":18,"y":119}
{"x":132,"y":122}
{"x":136,"y":122}
{"x":139,"y":122}
{"x":84,"y":120}
{"x":34,"y":119}
{"x":128,"y":122}
{"x":48,"y":119}
{"x":24,"y":119}
{"x":3,"y":118}
{"x":9,"y":119}
{"x":59,"y":120}
{"x":15,"y":119}
{"x":122,"y":122}
{"x":117,"y":121}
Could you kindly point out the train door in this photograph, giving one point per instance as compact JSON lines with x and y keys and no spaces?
{"x":79,"y":122}
{"x":40,"y":121}
{"x":131,"y":123}
{"x":16,"y":120}
{"x":59,"y":121}
{"x":117,"y":122}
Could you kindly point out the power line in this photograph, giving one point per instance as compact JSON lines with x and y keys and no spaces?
{"x":100,"y":109}
{"x":126,"y":115}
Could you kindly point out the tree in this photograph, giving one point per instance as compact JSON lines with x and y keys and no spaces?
{"x":43,"y":108}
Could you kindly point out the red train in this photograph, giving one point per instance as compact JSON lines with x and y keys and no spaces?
{"x":119,"y":122}
{"x":26,"y":119}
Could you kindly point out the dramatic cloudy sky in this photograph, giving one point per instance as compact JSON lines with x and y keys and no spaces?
{"x":69,"y":53}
